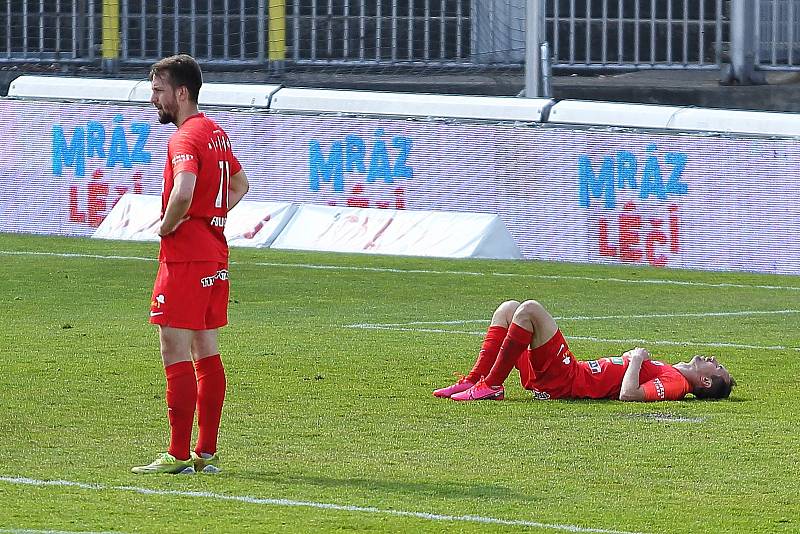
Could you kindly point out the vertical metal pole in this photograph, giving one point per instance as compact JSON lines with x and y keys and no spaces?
{"x":686,"y":32}
{"x":124,"y":30}
{"x":637,"y":42}
{"x":555,"y":30}
{"x":25,"y":28}
{"x":652,"y":32}
{"x":226,"y":30}
{"x":90,"y":37}
{"x":330,"y":28}
{"x":58,"y":29}
{"x":41,"y":26}
{"x":378,"y":31}
{"x":774,"y":47}
{"x":362,"y":31}
{"x":261,"y":25}
{"x":701,"y":31}
{"x":743,"y":44}
{"x":8,"y":28}
{"x":571,"y":32}
{"x":587,"y":58}
{"x":295,"y":25}
{"x":210,"y":30}
{"x":193,"y":28}
{"x":410,"y":31}
{"x":620,"y":32}
{"x":346,"y":32}
{"x":442,"y":29}
{"x":459,"y":29}
{"x":142,"y":28}
{"x":313,"y":29}
{"x":394,"y":30}
{"x":669,"y":32}
{"x":175,"y":27}
{"x":242,"y":43}
{"x":427,"y":35}
{"x":789,"y":36}
{"x":604,"y":47}
{"x":160,"y":30}
{"x":534,"y":39}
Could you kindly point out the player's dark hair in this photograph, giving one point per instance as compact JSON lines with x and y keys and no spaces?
{"x":180,"y":70}
{"x":719,"y":388}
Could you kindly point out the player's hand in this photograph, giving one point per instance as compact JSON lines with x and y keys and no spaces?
{"x":638,"y":353}
{"x":165,"y":232}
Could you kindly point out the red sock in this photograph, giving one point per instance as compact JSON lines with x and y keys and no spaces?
{"x":488,"y":354}
{"x":210,"y":397}
{"x":514,"y":344}
{"x":181,"y":399}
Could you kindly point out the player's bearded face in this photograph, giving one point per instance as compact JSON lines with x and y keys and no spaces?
{"x":167,"y":109}
{"x":165,"y":100}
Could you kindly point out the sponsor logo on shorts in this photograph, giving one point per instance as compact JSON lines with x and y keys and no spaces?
{"x":157,"y":301}
{"x":540,"y":395}
{"x":659,"y":388}
{"x":156,"y":314}
{"x":208,"y":281}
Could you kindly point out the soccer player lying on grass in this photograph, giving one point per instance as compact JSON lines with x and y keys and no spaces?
{"x":526,"y":336}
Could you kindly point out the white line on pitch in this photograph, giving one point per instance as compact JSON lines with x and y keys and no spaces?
{"x":426,"y":271}
{"x":311,"y":504}
{"x":714,"y":344}
{"x":600,"y":317}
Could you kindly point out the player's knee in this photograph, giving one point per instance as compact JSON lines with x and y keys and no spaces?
{"x":531,"y":310}
{"x":508,"y":307}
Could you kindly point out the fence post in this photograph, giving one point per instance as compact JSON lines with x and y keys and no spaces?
{"x":537,"y":60}
{"x":277,"y":35}
{"x":744,"y":46}
{"x":110,"y":17}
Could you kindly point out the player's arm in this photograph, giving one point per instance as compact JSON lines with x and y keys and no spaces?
{"x":237,"y":188}
{"x":180,"y":198}
{"x":631,"y":390}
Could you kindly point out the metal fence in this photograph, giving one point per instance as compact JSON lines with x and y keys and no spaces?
{"x":583,"y":34}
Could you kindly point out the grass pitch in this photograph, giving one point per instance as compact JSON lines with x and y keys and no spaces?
{"x":330,"y":425}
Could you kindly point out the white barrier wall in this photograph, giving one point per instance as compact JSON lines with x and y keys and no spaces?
{"x":419,"y":105}
{"x":398,"y":232}
{"x":250,"y":224}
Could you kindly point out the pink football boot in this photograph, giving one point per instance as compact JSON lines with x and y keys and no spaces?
{"x":480,"y":391}
{"x":462,"y":385}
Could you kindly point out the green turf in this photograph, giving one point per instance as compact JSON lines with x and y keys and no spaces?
{"x":318,"y":412}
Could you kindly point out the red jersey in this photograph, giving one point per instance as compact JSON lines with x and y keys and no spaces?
{"x":201,"y":147}
{"x":602,"y":379}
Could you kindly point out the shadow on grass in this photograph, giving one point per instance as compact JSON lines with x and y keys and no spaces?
{"x":455,"y":489}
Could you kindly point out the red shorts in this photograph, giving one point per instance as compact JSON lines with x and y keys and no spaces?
{"x":191,"y":295}
{"x":549,"y":370}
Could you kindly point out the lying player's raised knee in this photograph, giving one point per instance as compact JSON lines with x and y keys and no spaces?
{"x":532,"y":310}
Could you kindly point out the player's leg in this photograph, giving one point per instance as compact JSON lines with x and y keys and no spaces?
{"x":174,"y":309}
{"x":488,"y":353}
{"x":211,"y":382}
{"x":181,"y":394}
{"x":532,"y":325}
{"x":211,"y":385}
{"x":530,"y":320}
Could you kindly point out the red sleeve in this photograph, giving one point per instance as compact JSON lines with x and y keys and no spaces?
{"x":665,"y":387}
{"x":235,"y":165}
{"x":184,"y":155}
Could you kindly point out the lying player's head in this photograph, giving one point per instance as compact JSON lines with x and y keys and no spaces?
{"x":712,"y":380}
{"x":178,"y":71}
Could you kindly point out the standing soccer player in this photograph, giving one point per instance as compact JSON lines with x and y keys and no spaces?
{"x":203,"y":180}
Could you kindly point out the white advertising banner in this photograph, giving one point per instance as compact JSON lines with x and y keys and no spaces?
{"x":654,"y":198}
{"x":400,"y":232}
{"x":249,"y":224}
